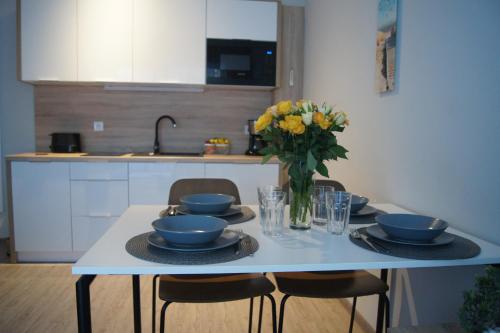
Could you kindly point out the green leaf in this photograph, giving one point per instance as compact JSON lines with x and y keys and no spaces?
{"x":322,"y":169}
{"x":311,"y":161}
{"x":266,"y":158}
{"x":340,"y":151}
{"x":266,"y":150}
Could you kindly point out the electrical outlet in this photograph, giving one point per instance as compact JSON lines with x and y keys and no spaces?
{"x":98,"y":126}
{"x":245,"y":130}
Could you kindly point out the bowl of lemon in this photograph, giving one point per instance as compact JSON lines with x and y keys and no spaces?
{"x":221,"y":146}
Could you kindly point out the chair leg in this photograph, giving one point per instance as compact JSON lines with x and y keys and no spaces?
{"x":273,"y":310}
{"x":282,"y":312}
{"x":153,"y":306}
{"x":353,"y":313}
{"x":250,"y":316}
{"x":162,"y":319}
{"x":387,"y":313}
{"x":261,"y":307}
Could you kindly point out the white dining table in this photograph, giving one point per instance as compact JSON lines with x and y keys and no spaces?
{"x":296,"y":250}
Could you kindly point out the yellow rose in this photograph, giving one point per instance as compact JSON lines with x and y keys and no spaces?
{"x":318,"y":117}
{"x":283,"y":125}
{"x":324,"y":124}
{"x":299,"y":103}
{"x":284,"y":107}
{"x":265,"y":120}
{"x":322,"y":121}
{"x":299,"y":129}
{"x":293,"y":124}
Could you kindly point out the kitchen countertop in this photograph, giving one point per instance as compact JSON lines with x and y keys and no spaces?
{"x":128,"y":157}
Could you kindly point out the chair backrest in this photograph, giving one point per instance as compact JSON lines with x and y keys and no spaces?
{"x":202,"y":185}
{"x":327,"y":182}
{"x":321,"y":182}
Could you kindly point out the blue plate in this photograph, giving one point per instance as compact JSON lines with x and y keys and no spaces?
{"x":207,"y":203}
{"x":376,"y":231}
{"x":411,"y":227}
{"x":189,"y":229}
{"x":358,"y":203}
{"x":367,"y":210}
{"x":227,"y":238}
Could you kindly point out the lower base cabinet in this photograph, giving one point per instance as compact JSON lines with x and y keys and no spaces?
{"x":41,"y":206}
{"x":87,"y":230}
{"x":61,"y":209}
{"x":149,"y":183}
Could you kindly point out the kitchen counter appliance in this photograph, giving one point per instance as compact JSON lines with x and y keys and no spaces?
{"x":241,"y":62}
{"x":255,"y":141}
{"x":65,"y":143}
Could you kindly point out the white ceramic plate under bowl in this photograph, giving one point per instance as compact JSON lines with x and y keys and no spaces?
{"x":227,"y":238}
{"x":376,"y":231}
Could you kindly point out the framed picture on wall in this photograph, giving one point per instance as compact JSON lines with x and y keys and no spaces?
{"x":386,"y":45}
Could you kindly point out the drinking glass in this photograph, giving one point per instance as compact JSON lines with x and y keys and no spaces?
{"x":262,"y":192}
{"x":320,"y":216}
{"x":274,"y":213}
{"x":338,"y":210}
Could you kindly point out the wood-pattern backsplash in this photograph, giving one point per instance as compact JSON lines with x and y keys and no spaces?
{"x":129,"y":117}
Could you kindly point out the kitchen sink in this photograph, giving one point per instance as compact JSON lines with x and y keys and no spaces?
{"x":168,"y":154}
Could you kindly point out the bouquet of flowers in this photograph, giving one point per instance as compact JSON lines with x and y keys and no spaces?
{"x":302,"y":137}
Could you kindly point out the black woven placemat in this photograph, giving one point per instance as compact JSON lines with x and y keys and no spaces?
{"x":367,"y":219}
{"x":460,"y":248}
{"x":139,"y":247}
{"x":246,"y":215}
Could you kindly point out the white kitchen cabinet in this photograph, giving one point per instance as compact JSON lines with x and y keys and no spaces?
{"x":87,"y":230}
{"x":48,"y":40}
{"x":246,"y":176}
{"x":98,"y":171}
{"x":105,"y":40}
{"x":41,"y":206}
{"x":169,"y":41}
{"x":238,"y":19}
{"x":149,"y":183}
{"x":99,"y":198}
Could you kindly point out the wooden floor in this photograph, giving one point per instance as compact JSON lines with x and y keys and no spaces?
{"x":41,"y":298}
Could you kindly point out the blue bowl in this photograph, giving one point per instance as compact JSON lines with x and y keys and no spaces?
{"x":207,"y":203}
{"x":358,"y":203}
{"x":189,"y":229}
{"x":411,"y":227}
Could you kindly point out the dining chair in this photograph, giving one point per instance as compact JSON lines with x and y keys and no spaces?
{"x":330,"y":284}
{"x":213,"y":288}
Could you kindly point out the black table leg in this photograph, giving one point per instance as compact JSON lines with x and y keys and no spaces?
{"x":83,"y":303}
{"x":381,"y":300}
{"x":136,"y":296}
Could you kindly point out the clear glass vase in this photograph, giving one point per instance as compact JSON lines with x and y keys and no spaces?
{"x":301,"y":203}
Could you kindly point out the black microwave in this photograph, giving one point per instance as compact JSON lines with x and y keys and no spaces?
{"x":241,"y":62}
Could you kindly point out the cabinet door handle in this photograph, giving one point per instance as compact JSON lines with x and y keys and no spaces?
{"x":100,"y":215}
{"x":290,"y":80}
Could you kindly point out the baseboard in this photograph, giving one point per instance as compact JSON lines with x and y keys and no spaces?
{"x":48,"y":257}
{"x":359,"y":319}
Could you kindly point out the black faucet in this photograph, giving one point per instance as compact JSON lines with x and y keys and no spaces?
{"x":156,"y":146}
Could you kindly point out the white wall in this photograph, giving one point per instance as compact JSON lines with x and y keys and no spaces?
{"x":16,"y":99}
{"x":432,"y":145}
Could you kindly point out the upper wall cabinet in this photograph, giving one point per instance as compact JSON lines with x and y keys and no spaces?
{"x":237,"y":19}
{"x":48,"y":40}
{"x":105,"y":40}
{"x":169,"y":41}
